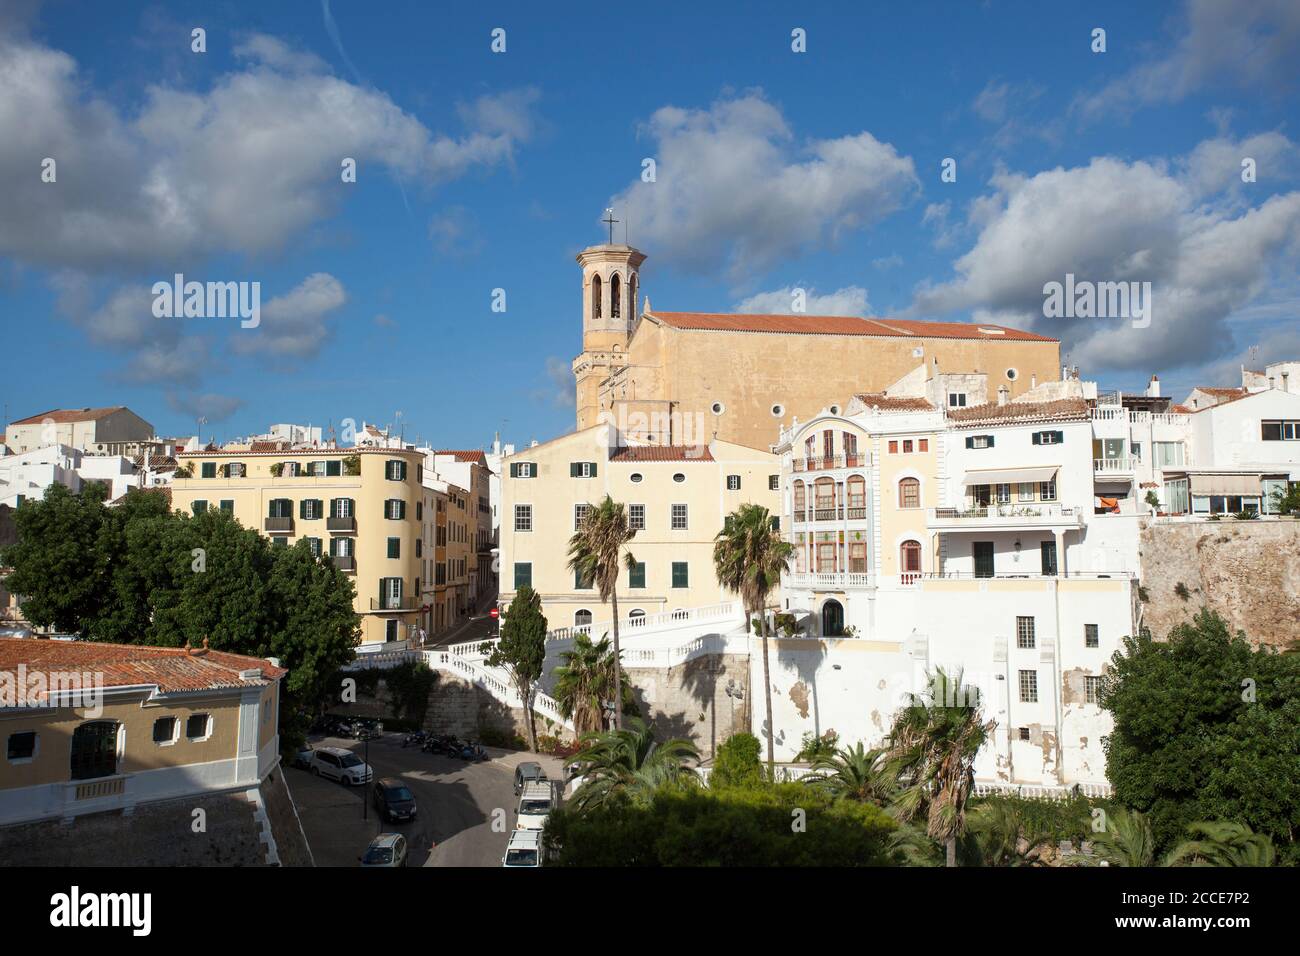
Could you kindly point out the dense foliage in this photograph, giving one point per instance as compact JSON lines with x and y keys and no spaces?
{"x":1206,"y":728}
{"x":736,"y":763}
{"x":522,"y":651}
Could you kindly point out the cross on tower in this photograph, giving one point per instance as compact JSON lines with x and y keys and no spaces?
{"x":610,"y":222}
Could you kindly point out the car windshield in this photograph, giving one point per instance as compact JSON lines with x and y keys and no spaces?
{"x":351,"y":760}
{"x":398,"y":793}
{"x":521,"y":857}
{"x":535,"y":806}
{"x":379,"y":854}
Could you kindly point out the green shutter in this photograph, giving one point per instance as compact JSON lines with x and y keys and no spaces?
{"x":593,"y":468}
{"x":1037,"y":438}
{"x":573,"y":469}
{"x":680,"y":574}
{"x":302,"y":508}
{"x":514,"y":469}
{"x":228,"y":506}
{"x":636,"y":576}
{"x":208,"y":469}
{"x":333,"y":468}
{"x":970,"y":441}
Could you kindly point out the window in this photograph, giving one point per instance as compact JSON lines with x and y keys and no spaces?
{"x":197,"y":727}
{"x":909,"y":493}
{"x":733,"y":482}
{"x":419,"y":547}
{"x":315,"y":545}
{"x":94,"y":750}
{"x":395,"y":509}
{"x":1047,"y":558}
{"x":164,"y":730}
{"x":635,"y":477}
{"x":580,"y":514}
{"x":717,"y":408}
{"x":341,"y":507}
{"x":778,"y":410}
{"x":523,"y":469}
{"x":636,"y":575}
{"x":390,"y":593}
{"x":1025,"y":633}
{"x":228,"y":506}
{"x":394,"y":547}
{"x":279,"y":541}
{"x":956,"y":399}
{"x":910,"y":557}
{"x":1279,"y":430}
{"x":615,"y":296}
{"x":1047,"y":490}
{"x":1091,"y":638}
{"x":198,"y":506}
{"x":923,"y":444}
{"x":596,"y":296}
{"x":1168,"y":454}
{"x":893,"y":447}
{"x":1025,"y":491}
{"x":773,"y":482}
{"x":1012,"y":374}
{"x":341,"y":547}
{"x":395,"y":470}
{"x":1024,"y":733}
{"x":679,"y":477}
{"x":582,"y":469}
{"x":581,"y":618}
{"x":679,"y":518}
{"x":390,"y":630}
{"x":291,"y":469}
{"x":419,"y":511}
{"x":907,"y":446}
{"x":310,"y":509}
{"x":1048,"y":438}
{"x":1092,"y":689}
{"x":636,"y":517}
{"x":1029,"y":687}
{"x":979,"y":441}
{"x":681,"y":577}
{"x":208,"y":469}
{"x":523,"y":517}
{"x":22,"y":745}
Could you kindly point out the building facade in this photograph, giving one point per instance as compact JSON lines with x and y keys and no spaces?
{"x":115,"y":430}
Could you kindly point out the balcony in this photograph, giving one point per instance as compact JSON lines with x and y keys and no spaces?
{"x":830,"y":462}
{"x":347,"y":524}
{"x":392,"y":604}
{"x":345,"y":562}
{"x":1114,"y":467}
{"x":831,"y":580}
{"x":1008,"y":517}
{"x":280,"y":525}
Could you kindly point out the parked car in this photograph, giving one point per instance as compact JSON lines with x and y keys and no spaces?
{"x":524,"y":849}
{"x":393,"y":799}
{"x":530,"y":771}
{"x":534,"y":806}
{"x":367,"y":728}
{"x":342,"y":765}
{"x":387,"y":849}
{"x":302,"y":757}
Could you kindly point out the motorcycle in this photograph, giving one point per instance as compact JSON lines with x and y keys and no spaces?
{"x":416,"y":738}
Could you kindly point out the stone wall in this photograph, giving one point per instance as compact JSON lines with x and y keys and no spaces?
{"x":691,"y":700}
{"x":1247,"y":571}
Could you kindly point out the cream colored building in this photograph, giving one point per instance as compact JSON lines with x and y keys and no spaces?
{"x":690,"y":377}
{"x":366,"y":508}
{"x":114,"y":430}
{"x":677,"y":497}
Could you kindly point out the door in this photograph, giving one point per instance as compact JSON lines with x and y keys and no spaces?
{"x":1049,"y":558}
{"x":832,"y":619}
{"x":94,"y":750}
{"x":983,"y":554}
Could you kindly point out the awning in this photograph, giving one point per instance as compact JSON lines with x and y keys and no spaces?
{"x":1008,"y":476}
{"x":1212,"y":484}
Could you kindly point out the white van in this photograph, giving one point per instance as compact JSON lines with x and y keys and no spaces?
{"x":535,"y":805}
{"x":524,"y":849}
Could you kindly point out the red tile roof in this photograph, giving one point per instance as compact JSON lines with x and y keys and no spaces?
{"x":1063,"y":409}
{"x":894,"y":403}
{"x":1180,"y":409}
{"x":169,"y":669}
{"x":63,"y":416}
{"x":268,"y":446}
{"x":1221,"y":392}
{"x":662,"y":453}
{"x":844,"y":325}
{"x":474,"y":455}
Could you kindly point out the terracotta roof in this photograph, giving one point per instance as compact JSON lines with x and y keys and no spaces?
{"x":1221,"y":392}
{"x":1180,"y":409}
{"x":164,"y":490}
{"x":844,"y":325}
{"x":662,"y":453}
{"x":239,"y":453}
{"x":268,"y":446}
{"x":154,"y":461}
{"x":894,"y":403}
{"x":474,"y":455}
{"x":170,"y":669}
{"x":62,"y":416}
{"x":1063,"y":409}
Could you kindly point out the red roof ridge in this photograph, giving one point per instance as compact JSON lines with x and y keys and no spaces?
{"x":801,"y":324}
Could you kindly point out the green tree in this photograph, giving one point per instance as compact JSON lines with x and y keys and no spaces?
{"x":935,"y":738}
{"x":749,"y":557}
{"x":629,"y":764}
{"x":522,"y":651}
{"x":736,"y":763}
{"x":1206,"y":728}
{"x":856,"y":774}
{"x":586,"y":679}
{"x":596,"y":553}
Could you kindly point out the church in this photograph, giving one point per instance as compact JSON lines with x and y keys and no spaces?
{"x":686,"y":378}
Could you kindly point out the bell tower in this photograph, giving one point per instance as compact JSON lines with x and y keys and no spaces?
{"x":611,"y":292}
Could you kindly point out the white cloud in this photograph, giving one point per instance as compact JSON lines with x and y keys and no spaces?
{"x":242,"y":167}
{"x":294,"y":324}
{"x":210,"y":405}
{"x":1250,"y":45}
{"x":735,"y":191}
{"x":851,"y":300}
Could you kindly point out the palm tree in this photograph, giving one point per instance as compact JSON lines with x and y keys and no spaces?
{"x":999,"y":835}
{"x":749,"y":557}
{"x":586,"y":680}
{"x":934,"y":742}
{"x":856,"y":773}
{"x":1223,"y":843}
{"x":1126,"y":839}
{"x":596,"y":554}
{"x":630,"y":764}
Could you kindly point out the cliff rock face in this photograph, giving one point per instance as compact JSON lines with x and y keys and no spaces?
{"x":1247,"y":571}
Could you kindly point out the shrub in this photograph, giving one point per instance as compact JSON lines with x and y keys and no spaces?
{"x":737,"y":763}
{"x":815,"y":748}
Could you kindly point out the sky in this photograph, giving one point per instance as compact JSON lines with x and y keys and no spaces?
{"x":482,"y":169}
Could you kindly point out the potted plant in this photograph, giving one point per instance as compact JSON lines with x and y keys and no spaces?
{"x":1153,"y":500}
{"x":352,"y":465}
{"x":277,"y":469}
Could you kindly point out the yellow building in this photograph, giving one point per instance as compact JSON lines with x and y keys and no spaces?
{"x":366,"y":508}
{"x":677,"y":498}
{"x":690,"y":377}
{"x":108,"y":726}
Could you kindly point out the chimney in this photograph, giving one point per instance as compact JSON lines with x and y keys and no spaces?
{"x":1153,"y":387}
{"x":1003,"y":394}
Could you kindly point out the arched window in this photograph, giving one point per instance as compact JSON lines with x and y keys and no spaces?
{"x":832,"y":619}
{"x":94,"y":750}
{"x":596,"y":296}
{"x":631,"y":297}
{"x":857,"y":489}
{"x":909,"y":561}
{"x":637,"y":617}
{"x":825,"y":498}
{"x":798,"y":496}
{"x":909,"y":493}
{"x":582,"y":617}
{"x":615,"y":290}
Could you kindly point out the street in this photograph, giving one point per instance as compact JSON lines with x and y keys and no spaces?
{"x":457,"y":803}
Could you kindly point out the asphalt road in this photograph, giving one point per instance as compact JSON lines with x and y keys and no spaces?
{"x":466,"y":810}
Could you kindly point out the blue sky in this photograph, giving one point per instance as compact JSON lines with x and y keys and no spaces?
{"x":481,"y":170}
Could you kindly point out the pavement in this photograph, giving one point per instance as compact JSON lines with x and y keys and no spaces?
{"x":477,"y":628}
{"x":466,"y":810}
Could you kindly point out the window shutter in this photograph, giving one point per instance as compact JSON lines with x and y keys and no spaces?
{"x":970,"y":441}
{"x":514,"y":469}
{"x":593,"y":469}
{"x":1037,"y":438}
{"x":302,"y":508}
{"x":333,"y":468}
{"x":1060,"y":436}
{"x":573,"y":469}
{"x":990,"y":438}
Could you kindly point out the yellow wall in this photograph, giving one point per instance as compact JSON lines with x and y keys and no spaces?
{"x":897,"y":523}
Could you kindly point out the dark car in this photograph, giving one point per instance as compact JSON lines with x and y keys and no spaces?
{"x":394,"y":800}
{"x":528,"y":772}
